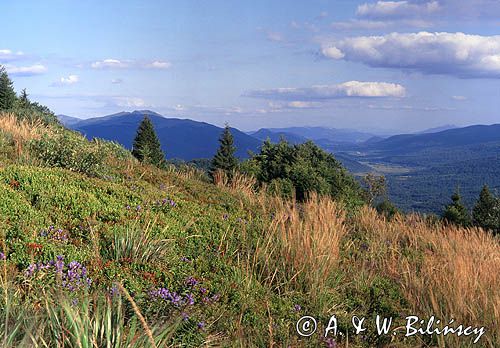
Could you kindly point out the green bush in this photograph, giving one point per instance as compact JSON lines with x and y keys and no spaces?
{"x":70,"y":150}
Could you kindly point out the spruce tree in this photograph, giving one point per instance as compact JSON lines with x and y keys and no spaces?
{"x":486,"y":212}
{"x":456,"y":212}
{"x":7,"y":94}
{"x":147,"y":147}
{"x":23,"y":99}
{"x":224,"y":159}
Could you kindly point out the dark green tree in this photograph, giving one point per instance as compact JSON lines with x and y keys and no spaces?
{"x":7,"y":94}
{"x":456,"y":212}
{"x":224,"y":159}
{"x":486,"y":211}
{"x":147,"y":147}
{"x":302,"y":169}
{"x":24,"y":101}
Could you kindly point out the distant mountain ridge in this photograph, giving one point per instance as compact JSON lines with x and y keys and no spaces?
{"x":180,"y":138}
{"x":332,"y":135}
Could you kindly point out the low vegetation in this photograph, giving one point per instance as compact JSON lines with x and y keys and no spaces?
{"x":101,"y":250}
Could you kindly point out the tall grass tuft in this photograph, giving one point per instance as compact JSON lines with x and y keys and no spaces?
{"x":447,"y":271}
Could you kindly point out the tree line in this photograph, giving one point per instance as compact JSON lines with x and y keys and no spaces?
{"x":293,"y":171}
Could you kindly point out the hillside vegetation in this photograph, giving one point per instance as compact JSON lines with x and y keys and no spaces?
{"x":99,"y":250}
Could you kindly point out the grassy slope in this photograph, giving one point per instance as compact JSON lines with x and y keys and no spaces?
{"x":270,"y":262}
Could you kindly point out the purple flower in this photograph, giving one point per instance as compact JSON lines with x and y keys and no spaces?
{"x":2,"y":256}
{"x":297,"y":308}
{"x":185,"y":316}
{"x":225,"y":216}
{"x":201,"y":325}
{"x":185,"y":259}
{"x":113,"y":291}
{"x":138,"y":208}
{"x":330,"y":342}
{"x":191,"y":281}
{"x":189,"y":300}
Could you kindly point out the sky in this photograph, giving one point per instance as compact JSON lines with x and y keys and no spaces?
{"x":378,"y":66}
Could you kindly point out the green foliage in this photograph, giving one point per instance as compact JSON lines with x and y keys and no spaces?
{"x":486,"y":212}
{"x":224,"y":159}
{"x":456,"y":212}
{"x":7,"y":94}
{"x":70,"y":150}
{"x":147,"y":147}
{"x":306,"y":168}
{"x":387,"y":208}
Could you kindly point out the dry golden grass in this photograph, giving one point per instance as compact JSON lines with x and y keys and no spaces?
{"x":302,"y":244}
{"x":20,"y":131}
{"x":447,"y":271}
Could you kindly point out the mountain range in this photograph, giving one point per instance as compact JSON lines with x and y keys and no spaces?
{"x":422,"y":169}
{"x":180,"y":138}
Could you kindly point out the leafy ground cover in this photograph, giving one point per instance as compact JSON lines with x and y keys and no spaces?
{"x":98,"y":250}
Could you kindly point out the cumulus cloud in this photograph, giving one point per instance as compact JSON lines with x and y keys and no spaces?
{"x":31,"y":70}
{"x":110,"y":64}
{"x":393,"y":10}
{"x":397,"y":9}
{"x":8,"y":55}
{"x":126,"y":64}
{"x":455,"y":54}
{"x":317,"y":93}
{"x":66,"y":81}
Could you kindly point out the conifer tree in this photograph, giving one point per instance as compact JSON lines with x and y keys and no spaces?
{"x":456,"y":212}
{"x":147,"y":147}
{"x":486,"y":212}
{"x":23,"y":99}
{"x":7,"y":94}
{"x":224,"y":159}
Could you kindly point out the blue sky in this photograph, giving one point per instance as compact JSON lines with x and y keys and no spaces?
{"x":381,"y":66}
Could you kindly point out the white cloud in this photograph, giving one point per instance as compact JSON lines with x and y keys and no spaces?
{"x":8,"y":55}
{"x":126,"y":64}
{"x":397,"y":9}
{"x":157,"y":64}
{"x":459,"y":97}
{"x":344,"y":90}
{"x":116,"y":81}
{"x":31,"y":70}
{"x":110,"y":64}
{"x":70,"y":80}
{"x":456,"y":54}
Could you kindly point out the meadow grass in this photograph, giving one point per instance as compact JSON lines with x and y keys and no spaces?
{"x":175,"y":261}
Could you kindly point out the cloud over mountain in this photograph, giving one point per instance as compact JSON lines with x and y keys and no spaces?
{"x":344,"y":90}
{"x":458,"y":54}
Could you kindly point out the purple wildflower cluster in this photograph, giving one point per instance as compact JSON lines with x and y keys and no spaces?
{"x":55,"y":234}
{"x":171,"y":297}
{"x":2,"y":256}
{"x":193,"y":294}
{"x":166,"y":202}
{"x":73,"y":275}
